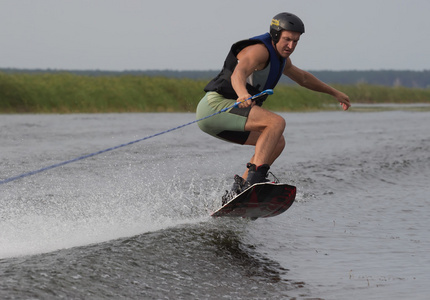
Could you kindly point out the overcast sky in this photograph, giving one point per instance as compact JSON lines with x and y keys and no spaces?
{"x":196,"y":34}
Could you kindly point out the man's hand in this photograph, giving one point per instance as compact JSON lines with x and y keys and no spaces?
{"x":243,"y":102}
{"x":343,"y":100}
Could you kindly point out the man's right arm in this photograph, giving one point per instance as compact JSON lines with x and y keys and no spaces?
{"x":250,"y":59}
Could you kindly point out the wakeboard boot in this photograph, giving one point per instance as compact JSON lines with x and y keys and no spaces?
{"x":239,"y":185}
{"x":257,"y":174}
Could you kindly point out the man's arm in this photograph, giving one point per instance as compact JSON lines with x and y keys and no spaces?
{"x":250,"y":59}
{"x":309,"y":81}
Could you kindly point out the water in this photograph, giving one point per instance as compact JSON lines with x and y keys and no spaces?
{"x":134,"y":223}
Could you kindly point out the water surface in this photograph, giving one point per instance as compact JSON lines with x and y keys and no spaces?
{"x":134,"y":222}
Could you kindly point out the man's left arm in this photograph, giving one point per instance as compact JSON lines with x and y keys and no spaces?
{"x":309,"y":81}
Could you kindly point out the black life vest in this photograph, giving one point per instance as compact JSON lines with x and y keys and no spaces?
{"x":222,"y":82}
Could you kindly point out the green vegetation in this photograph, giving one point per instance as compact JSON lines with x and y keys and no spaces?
{"x":67,"y":93}
{"x":70,"y":93}
{"x":296,"y":98}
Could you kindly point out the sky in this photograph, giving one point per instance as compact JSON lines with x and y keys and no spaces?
{"x":120,"y":35}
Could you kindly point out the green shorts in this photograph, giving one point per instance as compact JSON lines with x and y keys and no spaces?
{"x":228,"y":125}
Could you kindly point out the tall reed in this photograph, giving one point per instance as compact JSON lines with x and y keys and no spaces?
{"x":69,"y":93}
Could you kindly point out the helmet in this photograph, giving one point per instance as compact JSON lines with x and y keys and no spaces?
{"x":285,"y":21}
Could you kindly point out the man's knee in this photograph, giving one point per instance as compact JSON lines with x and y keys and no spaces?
{"x":279,"y":122}
{"x":281,"y":143}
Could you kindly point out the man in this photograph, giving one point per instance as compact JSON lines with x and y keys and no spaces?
{"x":252,"y":66}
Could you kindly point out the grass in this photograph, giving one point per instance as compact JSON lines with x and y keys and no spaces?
{"x":69,"y":93}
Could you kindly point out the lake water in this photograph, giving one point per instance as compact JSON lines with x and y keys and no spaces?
{"x":134,"y":223}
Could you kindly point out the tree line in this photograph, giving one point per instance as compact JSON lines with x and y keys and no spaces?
{"x":391,"y":78}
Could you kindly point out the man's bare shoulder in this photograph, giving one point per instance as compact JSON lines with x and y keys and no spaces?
{"x":255,"y":49}
{"x":257,"y":53}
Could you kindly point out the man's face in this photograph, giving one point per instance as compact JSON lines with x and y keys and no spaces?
{"x":287,"y":43}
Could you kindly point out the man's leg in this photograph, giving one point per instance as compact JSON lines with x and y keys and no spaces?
{"x":267,"y":130}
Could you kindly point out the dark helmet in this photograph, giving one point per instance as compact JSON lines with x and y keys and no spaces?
{"x":285,"y":21}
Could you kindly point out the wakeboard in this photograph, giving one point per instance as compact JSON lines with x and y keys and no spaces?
{"x":262,"y":200}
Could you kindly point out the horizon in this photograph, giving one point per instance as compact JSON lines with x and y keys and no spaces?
{"x":207,"y":70}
